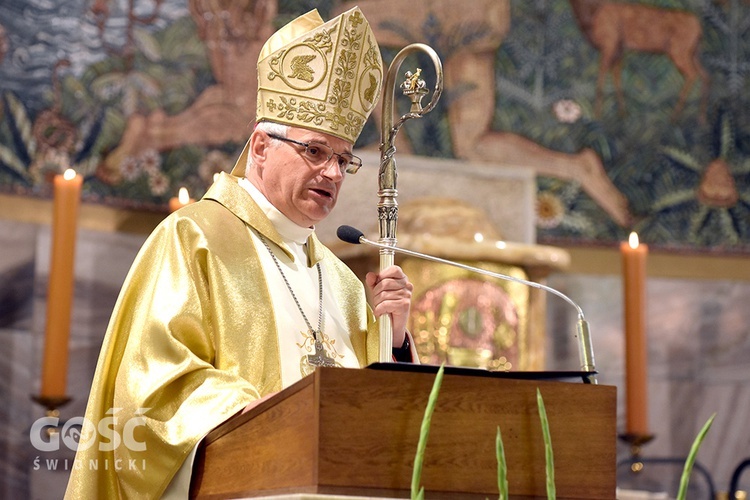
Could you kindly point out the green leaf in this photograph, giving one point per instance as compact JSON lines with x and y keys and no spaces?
{"x":690,"y":461}
{"x":22,"y":122}
{"x":684,"y":158}
{"x":727,"y":137}
{"x":420,"y":495}
{"x":147,"y":44}
{"x":502,"y":467}
{"x":424,"y":433}
{"x":548,"y":455}
{"x":9,"y":158}
{"x":109,"y":85}
{"x":674,"y":199}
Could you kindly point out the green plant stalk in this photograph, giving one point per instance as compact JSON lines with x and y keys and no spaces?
{"x":502,"y":466}
{"x":548,"y":455}
{"x":417,"y":493}
{"x":690,"y":461}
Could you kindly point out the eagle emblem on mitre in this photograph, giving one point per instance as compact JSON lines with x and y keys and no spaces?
{"x":301,"y":68}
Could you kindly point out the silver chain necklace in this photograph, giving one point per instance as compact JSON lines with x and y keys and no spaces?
{"x":320,"y":358}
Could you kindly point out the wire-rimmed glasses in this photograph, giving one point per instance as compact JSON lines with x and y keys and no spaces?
{"x":319,"y":154}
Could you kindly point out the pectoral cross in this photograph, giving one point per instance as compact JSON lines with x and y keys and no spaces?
{"x":320,"y":358}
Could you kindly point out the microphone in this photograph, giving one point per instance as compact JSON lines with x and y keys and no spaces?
{"x":353,"y":235}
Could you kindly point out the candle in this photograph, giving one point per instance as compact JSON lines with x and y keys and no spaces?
{"x":636,"y":350}
{"x":67,"y":195}
{"x":183,"y":198}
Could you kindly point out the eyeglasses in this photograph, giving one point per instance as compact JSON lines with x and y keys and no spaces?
{"x":320,"y":154}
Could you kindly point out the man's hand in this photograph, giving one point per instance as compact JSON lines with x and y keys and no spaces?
{"x":391,"y":294}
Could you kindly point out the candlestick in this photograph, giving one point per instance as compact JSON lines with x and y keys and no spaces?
{"x":183,"y":198}
{"x":67,"y":195}
{"x":636,"y":350}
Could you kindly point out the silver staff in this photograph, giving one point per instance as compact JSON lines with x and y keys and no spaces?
{"x":414,"y":88}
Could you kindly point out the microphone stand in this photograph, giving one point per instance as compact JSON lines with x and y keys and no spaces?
{"x":585,"y":348}
{"x":415,"y":89}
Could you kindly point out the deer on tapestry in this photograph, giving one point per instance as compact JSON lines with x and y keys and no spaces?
{"x":612,"y":28}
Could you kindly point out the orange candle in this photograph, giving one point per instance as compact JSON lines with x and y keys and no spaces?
{"x":183,"y":198}
{"x":67,"y":196}
{"x":636,"y":350}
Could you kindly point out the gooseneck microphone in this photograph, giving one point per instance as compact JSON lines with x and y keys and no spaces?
{"x":586,"y":353}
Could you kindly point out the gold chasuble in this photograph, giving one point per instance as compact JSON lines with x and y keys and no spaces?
{"x":192,"y":341}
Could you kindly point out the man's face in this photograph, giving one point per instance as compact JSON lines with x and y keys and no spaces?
{"x":303,"y":190}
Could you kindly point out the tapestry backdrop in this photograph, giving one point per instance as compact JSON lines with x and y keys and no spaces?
{"x":635,"y":116}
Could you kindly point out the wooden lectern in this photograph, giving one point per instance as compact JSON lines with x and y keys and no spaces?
{"x":355,"y":432}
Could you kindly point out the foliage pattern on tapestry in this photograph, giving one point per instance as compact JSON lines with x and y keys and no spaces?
{"x":642,"y":126}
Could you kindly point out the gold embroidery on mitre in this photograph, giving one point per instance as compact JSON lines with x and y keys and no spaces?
{"x":327,"y":79}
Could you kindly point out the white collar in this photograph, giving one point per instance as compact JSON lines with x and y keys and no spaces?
{"x":288,"y":230}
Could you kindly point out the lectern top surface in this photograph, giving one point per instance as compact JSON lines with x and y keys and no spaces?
{"x":482,"y":372}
